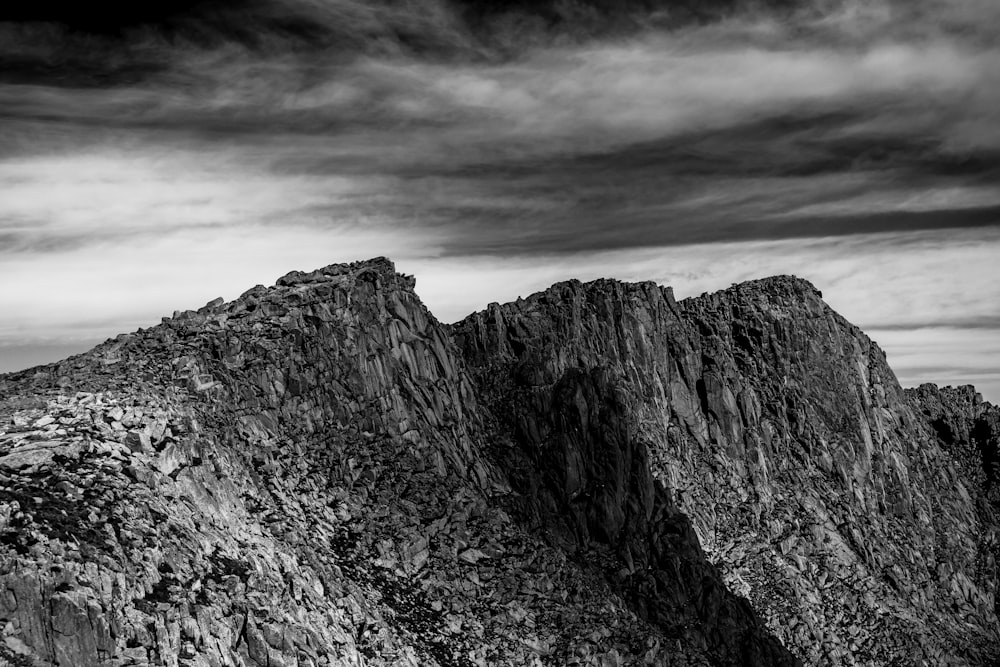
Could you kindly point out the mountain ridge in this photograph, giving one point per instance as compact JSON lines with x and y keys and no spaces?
{"x":322,"y":473}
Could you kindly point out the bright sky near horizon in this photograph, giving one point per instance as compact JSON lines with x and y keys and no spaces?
{"x":857,"y":147}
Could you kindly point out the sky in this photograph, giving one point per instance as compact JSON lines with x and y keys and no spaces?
{"x":192,"y":150}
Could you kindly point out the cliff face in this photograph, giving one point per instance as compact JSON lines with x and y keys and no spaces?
{"x":574,"y":375}
{"x":873,"y":525}
{"x":969,"y":429}
{"x":813,"y":482}
{"x":320,"y":473}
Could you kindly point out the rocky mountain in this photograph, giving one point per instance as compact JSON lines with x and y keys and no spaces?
{"x":855,"y":517}
{"x":321,"y":473}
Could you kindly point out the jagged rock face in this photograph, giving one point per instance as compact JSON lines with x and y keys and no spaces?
{"x":969,"y":428}
{"x":224,"y":475}
{"x":293,"y":478}
{"x":320,"y":473}
{"x":571,"y":372}
{"x":819,"y":492}
{"x":891,"y":553}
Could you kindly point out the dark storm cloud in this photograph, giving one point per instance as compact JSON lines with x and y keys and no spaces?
{"x":729,"y":132}
{"x":857,"y":144}
{"x":765,"y":180}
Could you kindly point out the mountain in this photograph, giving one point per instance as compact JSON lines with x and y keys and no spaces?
{"x":321,"y":473}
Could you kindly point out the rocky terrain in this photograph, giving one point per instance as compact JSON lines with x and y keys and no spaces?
{"x":321,"y":473}
{"x":854,"y":516}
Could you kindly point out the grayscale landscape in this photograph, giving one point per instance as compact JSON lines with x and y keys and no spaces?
{"x":652,"y":332}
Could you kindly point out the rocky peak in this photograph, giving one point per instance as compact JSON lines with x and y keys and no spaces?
{"x":781,"y":434}
{"x":559,"y":320}
{"x":786,"y":286}
{"x":250,"y":479}
{"x":321,"y":473}
{"x":570,"y":373}
{"x":294,"y":477}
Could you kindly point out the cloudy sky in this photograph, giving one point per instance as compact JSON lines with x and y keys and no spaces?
{"x":191,"y":150}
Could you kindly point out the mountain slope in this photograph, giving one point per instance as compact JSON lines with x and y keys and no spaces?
{"x":891,"y":542}
{"x":811,"y":479}
{"x":561,"y":371}
{"x":320,"y":473}
{"x":292,"y":478}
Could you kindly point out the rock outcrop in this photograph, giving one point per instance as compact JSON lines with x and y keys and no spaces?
{"x":811,"y":479}
{"x":573,"y":373}
{"x":321,"y":473}
{"x":969,"y":428}
{"x":870,"y":526}
{"x":293,"y":478}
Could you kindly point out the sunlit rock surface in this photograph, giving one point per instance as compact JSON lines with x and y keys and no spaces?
{"x":320,"y":473}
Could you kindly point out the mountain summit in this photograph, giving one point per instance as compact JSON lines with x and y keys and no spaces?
{"x":321,"y":473}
